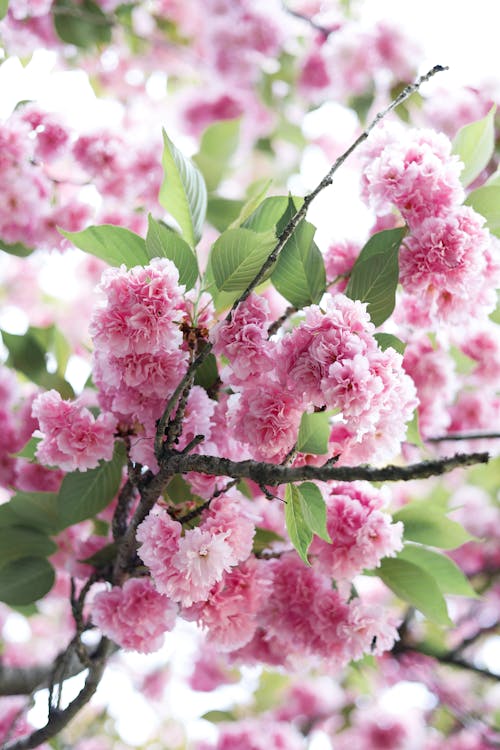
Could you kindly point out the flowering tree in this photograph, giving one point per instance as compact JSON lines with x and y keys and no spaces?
{"x":234,"y":422}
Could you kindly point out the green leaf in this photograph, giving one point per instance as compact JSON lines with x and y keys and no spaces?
{"x":82,"y":24}
{"x":162,"y":242}
{"x":415,"y":586}
{"x":17,"y":248}
{"x":299,"y":274}
{"x":374,"y":276}
{"x":38,"y":510}
{"x":237,"y":256}
{"x":221,"y":212}
{"x":425,"y":522}
{"x":28,"y":355}
{"x":179,"y":491}
{"x":115,"y":245}
{"x":314,"y":432}
{"x":207,"y":375}
{"x":263,"y":539}
{"x":28,"y":450}
{"x":217,"y":716}
{"x":25,"y":580}
{"x":313,"y":509}
{"x":103,"y":556}
{"x":475,"y":144}
{"x":386,"y":340}
{"x":486,"y":201}
{"x":255,"y":195}
{"x":83,"y":494}
{"x":218,"y":144}
{"x":21,"y":541}
{"x":493,"y":180}
{"x":4,"y":6}
{"x":413,"y":431}
{"x":298,"y":529}
{"x":446,"y":573}
{"x":267,"y":214}
{"x":183,"y":192}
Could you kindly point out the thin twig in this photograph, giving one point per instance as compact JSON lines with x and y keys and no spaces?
{"x":197,"y":511}
{"x":464,"y":436}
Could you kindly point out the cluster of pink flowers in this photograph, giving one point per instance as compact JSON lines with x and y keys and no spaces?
{"x":331,"y":360}
{"x":134,"y":615}
{"x":230,"y":613}
{"x":304,"y":617}
{"x":185,"y":568}
{"x":433,"y":371}
{"x":449,"y":264}
{"x":72,"y":438}
{"x":361,"y":533}
{"x":138,"y":354}
{"x":252,"y":734}
{"x":347,"y":62}
{"x":33,"y":204}
{"x":45,"y":166}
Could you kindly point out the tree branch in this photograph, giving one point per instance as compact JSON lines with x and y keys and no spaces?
{"x":59,"y":719}
{"x":273,"y":474}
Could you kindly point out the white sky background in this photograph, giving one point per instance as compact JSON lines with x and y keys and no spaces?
{"x":458,"y":33}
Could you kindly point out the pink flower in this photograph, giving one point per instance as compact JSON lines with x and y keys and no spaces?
{"x":305,"y":355}
{"x":198,"y":564}
{"x":361,"y":534}
{"x":141,"y":307}
{"x":260,"y":734}
{"x":184,"y":568}
{"x":432,"y":369}
{"x":210,"y":671}
{"x":304,"y":616}
{"x":418,"y":174}
{"x":135,"y":616}
{"x":72,"y":438}
{"x":267,"y":419}
{"x":244,"y":340}
{"x":228,"y":516}
{"x":339,"y":260}
{"x":159,"y":536}
{"x":230,"y":613}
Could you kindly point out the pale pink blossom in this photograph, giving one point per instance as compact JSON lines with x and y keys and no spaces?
{"x":184,"y":568}
{"x":259,"y":734}
{"x":230,"y":613}
{"x":339,"y":259}
{"x":361,"y":534}
{"x":199,"y":563}
{"x":417,"y":174}
{"x":142,"y":305}
{"x":72,"y":438}
{"x":267,"y":419}
{"x":230,"y":517}
{"x":210,"y":671}
{"x":135,"y":615}
{"x":244,"y":340}
{"x":432,"y":369}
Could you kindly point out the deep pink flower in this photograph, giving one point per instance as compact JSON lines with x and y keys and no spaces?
{"x":135,"y":615}
{"x":361,"y":534}
{"x":72,"y":438}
